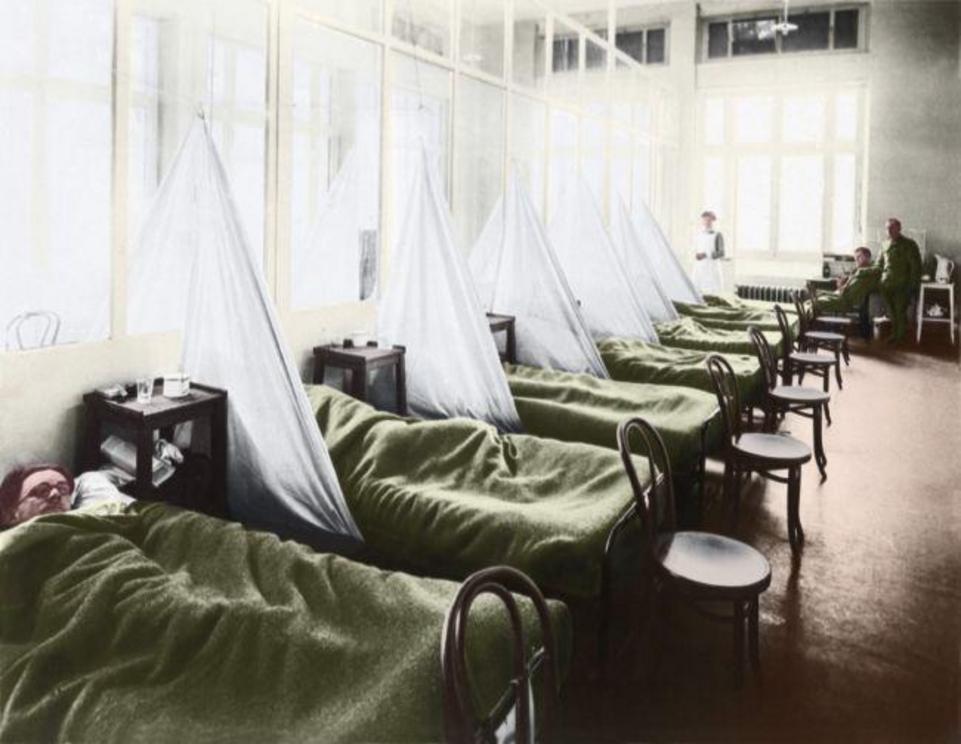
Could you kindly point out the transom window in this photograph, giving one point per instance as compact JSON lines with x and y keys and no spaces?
{"x":818,"y":30}
{"x":648,"y":46}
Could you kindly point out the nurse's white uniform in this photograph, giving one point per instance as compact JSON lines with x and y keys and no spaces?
{"x":706,"y":275}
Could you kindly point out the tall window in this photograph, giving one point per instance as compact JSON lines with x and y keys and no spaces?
{"x":55,"y":170}
{"x":781,"y":170}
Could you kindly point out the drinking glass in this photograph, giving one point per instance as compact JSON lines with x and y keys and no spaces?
{"x":144,"y":390}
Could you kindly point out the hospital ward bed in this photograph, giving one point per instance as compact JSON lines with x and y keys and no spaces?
{"x":149,"y":623}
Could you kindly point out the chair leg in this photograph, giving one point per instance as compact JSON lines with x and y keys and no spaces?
{"x":846,"y":351}
{"x":826,"y":378}
{"x":752,"y":633}
{"x":738,"y":642}
{"x":819,"y":457}
{"x":837,"y":367}
{"x":800,"y":375}
{"x":795,"y":531}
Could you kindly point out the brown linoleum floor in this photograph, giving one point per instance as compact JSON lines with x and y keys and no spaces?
{"x":860,"y":635}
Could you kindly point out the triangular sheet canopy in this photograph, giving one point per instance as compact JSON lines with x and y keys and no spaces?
{"x":591,"y":263}
{"x":671,"y":275}
{"x":637,"y":264}
{"x":431,"y":307}
{"x":328,"y":266}
{"x":279,"y":472}
{"x":516,"y":273}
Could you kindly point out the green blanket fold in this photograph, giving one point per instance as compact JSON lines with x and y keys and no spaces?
{"x":733,"y":301}
{"x":729,"y":318}
{"x":164,"y":625}
{"x":687,"y":333}
{"x":633,"y":360}
{"x":450,"y":497}
{"x":584,"y":408}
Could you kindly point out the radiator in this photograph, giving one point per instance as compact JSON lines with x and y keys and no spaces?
{"x":769,"y":292}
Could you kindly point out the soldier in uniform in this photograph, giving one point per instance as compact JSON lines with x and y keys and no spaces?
{"x":900,"y":265}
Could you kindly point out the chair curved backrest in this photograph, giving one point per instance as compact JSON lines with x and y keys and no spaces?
{"x":785,"y":326}
{"x":804,"y":315}
{"x":765,"y":356}
{"x":461,"y":723}
{"x":655,"y":504}
{"x":728,"y":398}
{"x":47,"y":329}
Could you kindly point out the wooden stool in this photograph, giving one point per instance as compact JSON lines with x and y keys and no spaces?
{"x":697,"y":566}
{"x":747,"y":453}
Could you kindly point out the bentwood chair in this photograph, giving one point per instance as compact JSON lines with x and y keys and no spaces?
{"x":462,"y":724}
{"x":41,"y":327}
{"x":780,"y":400}
{"x":750,"y":452}
{"x":802,"y":362}
{"x":697,"y":566}
{"x":811,"y":339}
{"x":841,"y":324}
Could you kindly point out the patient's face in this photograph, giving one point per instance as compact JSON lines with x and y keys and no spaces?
{"x":43,"y":492}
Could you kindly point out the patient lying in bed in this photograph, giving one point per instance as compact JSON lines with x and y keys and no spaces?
{"x":30,"y":491}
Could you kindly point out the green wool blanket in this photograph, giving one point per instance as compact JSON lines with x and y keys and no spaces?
{"x":729,"y":318}
{"x":585,"y":408}
{"x":450,"y":497}
{"x":160,"y":625}
{"x":735,"y":302}
{"x":687,"y":333}
{"x":633,"y":360}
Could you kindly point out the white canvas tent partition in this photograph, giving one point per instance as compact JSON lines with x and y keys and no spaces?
{"x":591,"y":263}
{"x":430,"y":306}
{"x":640,"y":272}
{"x":670,"y":274}
{"x":279,"y":472}
{"x":516,"y":273}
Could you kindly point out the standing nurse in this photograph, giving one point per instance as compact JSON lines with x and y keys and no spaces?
{"x":708,"y":252}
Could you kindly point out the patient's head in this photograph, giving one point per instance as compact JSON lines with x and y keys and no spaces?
{"x":34,"y":490}
{"x":862,"y":257}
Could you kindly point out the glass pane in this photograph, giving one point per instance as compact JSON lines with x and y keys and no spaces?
{"x":846,"y":116}
{"x":801,"y":204}
{"x":756,"y":36}
{"x":714,"y":187}
{"x":656,"y":46}
{"x":813,"y":32}
{"x":844,"y":222}
{"x":55,"y":173}
{"x":717,"y":40}
{"x":80,"y":41}
{"x":363,"y":14}
{"x":631,"y":43}
{"x":565,"y":59}
{"x":595,"y":56}
{"x":420,"y":117}
{"x":641,"y":189}
{"x":714,"y":121}
{"x":753,"y":227}
{"x":846,"y":29}
{"x":753,"y":120}
{"x":528,"y":144}
{"x":803,"y":118}
{"x":479,"y":138}
{"x":424,"y":23}
{"x":593,"y":142}
{"x":482,"y":35}
{"x":17,"y":37}
{"x":563,"y":152}
{"x":335,"y":170}
{"x":529,"y":46}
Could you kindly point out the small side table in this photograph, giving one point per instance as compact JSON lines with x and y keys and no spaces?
{"x":143,"y":419}
{"x":923,"y":318}
{"x":500,"y":323}
{"x":359,"y":362}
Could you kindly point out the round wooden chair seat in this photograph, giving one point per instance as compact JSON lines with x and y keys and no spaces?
{"x":812,"y":359}
{"x":834,"y":320}
{"x":799,"y":394}
{"x":825,"y":337}
{"x":773,"y":449}
{"x":713,"y":562}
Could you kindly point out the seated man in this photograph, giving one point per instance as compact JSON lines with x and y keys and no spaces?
{"x":853,"y":291}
